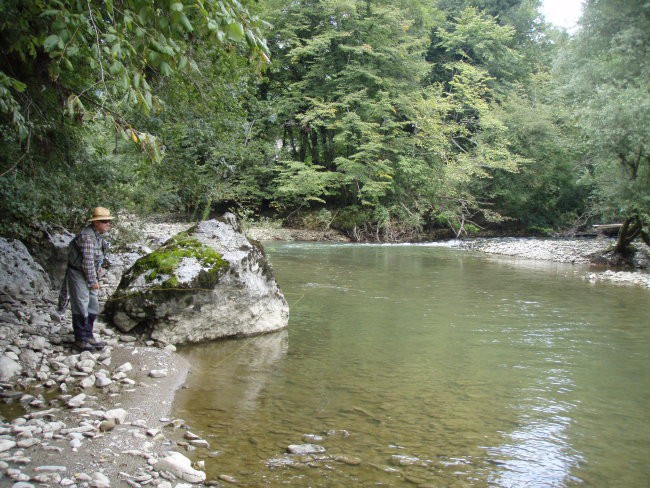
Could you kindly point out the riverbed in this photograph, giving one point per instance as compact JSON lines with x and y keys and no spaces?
{"x":430,"y":366}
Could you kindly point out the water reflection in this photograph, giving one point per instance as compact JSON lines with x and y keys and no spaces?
{"x":251,"y":360}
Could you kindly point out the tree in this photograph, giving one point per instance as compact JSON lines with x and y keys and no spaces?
{"x":605,"y":70}
{"x":104,"y":53}
{"x":70,"y":67}
{"x":337,"y":87}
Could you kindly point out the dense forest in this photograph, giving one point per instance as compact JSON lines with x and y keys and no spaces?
{"x":384,"y":119}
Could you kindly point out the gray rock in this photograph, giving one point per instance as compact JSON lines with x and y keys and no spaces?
{"x":29,"y":442}
{"x":87,"y":382}
{"x":19,"y":270}
{"x":8,"y":367}
{"x":221,"y":286}
{"x":101,"y":381}
{"x":50,"y":469}
{"x":51,"y":252}
{"x":124,"y":368}
{"x":38,"y":343}
{"x":30,"y":358}
{"x":100,"y":480}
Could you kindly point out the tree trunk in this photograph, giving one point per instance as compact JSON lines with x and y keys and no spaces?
{"x":629,"y":231}
{"x":315,"y":159}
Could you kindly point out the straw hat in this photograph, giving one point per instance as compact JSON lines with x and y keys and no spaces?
{"x":101,"y":213}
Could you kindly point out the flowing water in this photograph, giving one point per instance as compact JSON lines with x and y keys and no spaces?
{"x":433,"y":367}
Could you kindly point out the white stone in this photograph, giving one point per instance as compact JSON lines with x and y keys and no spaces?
{"x":6,"y":444}
{"x":305,"y":449}
{"x":38,"y":343}
{"x":117,"y":414}
{"x":23,"y":483}
{"x":25,"y":443}
{"x":124,"y":368}
{"x":100,"y":480}
{"x":85,"y":364}
{"x":158,"y":373}
{"x":181,"y":467}
{"x":87,"y":382}
{"x":9,"y":367}
{"x":103,"y":381}
{"x":50,"y":469}
{"x":77,"y":401}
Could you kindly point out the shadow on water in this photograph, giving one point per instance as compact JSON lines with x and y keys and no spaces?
{"x":425,"y":366}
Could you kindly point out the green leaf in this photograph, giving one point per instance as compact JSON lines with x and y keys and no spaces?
{"x":51,"y":42}
{"x":186,"y":23}
{"x":115,"y":68}
{"x":236,"y":31}
{"x":165,"y":69}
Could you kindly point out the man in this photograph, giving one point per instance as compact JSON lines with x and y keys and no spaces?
{"x":86,"y":255}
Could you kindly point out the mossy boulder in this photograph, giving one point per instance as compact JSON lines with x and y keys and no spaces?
{"x":206,"y":283}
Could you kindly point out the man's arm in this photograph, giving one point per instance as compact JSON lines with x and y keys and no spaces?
{"x":88,"y":262}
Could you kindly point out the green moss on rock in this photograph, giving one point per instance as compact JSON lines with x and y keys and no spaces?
{"x":165,"y":260}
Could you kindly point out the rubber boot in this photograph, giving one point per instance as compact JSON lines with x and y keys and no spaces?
{"x":90,"y":338}
{"x":79,"y":324}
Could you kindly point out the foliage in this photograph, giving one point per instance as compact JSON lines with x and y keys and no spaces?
{"x":605,"y":71}
{"x":548,"y":191}
{"x":380,"y":118}
{"x":72,"y":73}
{"x":106,"y":53}
{"x":361,"y":130}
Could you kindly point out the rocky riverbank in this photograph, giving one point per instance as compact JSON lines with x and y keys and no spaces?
{"x":572,"y":251}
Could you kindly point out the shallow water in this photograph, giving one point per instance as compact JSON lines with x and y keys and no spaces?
{"x":427,"y":366}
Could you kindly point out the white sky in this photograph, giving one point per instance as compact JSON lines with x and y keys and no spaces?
{"x":562,"y":13}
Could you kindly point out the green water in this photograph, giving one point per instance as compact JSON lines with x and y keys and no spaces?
{"x":433,"y":367}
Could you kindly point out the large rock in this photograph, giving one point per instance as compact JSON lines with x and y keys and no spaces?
{"x":19,"y":273}
{"x":206,"y":283}
{"x":50,"y":250}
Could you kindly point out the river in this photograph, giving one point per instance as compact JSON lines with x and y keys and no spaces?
{"x":432,"y":367}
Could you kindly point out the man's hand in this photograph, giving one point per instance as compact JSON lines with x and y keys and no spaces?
{"x":95,"y":286}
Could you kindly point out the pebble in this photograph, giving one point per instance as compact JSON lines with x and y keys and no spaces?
{"x":77,"y":401}
{"x":124,"y":368}
{"x":6,"y":444}
{"x":158,"y":373}
{"x":302,"y":449}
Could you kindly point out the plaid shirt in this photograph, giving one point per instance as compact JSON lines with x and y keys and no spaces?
{"x":88,"y":263}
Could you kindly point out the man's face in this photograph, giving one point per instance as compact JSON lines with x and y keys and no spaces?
{"x":102,"y":226}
